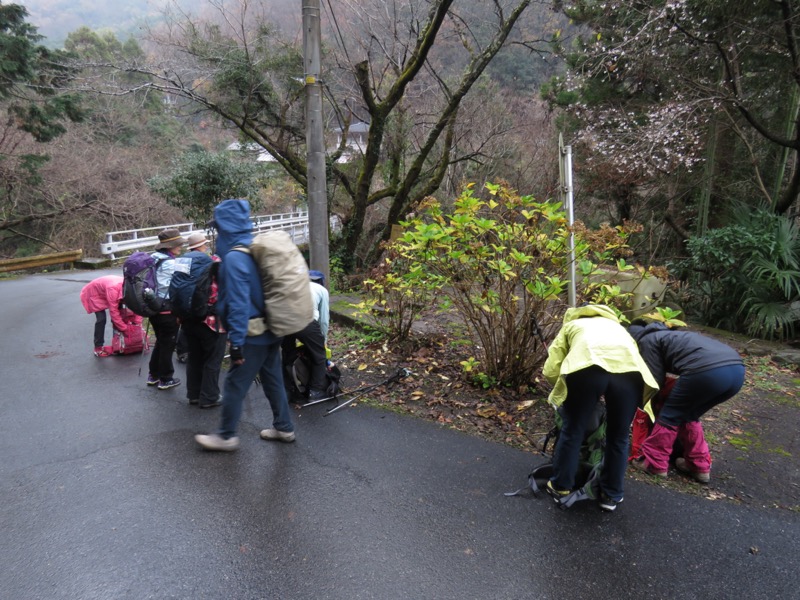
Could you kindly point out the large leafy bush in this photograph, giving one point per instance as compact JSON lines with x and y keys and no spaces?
{"x":502,"y":262}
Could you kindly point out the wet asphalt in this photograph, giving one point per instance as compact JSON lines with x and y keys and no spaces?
{"x":104,"y":495}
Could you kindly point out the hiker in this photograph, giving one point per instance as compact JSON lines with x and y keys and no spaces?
{"x":240,"y":301}
{"x":165,"y":324}
{"x":593,"y":356}
{"x":709,"y":373}
{"x":101,"y":295}
{"x":205,"y":340}
{"x":313,"y":337}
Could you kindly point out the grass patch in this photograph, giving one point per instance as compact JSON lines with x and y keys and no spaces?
{"x":743,"y":442}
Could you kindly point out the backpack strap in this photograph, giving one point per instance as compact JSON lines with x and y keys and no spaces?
{"x":541,"y":472}
{"x":589,"y":491}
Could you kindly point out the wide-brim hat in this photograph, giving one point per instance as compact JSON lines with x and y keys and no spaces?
{"x":170,"y":238}
{"x":195,"y":240}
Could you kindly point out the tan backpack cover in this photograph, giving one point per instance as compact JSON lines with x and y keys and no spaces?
{"x":284,"y":279}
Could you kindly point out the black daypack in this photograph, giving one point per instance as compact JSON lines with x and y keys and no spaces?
{"x":190,"y":288}
{"x":587,"y":477}
{"x":297,"y":378}
{"x":139,"y":288}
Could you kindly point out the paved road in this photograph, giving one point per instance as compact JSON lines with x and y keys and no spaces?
{"x":103,"y":494}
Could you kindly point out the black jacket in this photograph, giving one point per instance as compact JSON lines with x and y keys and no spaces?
{"x":680,"y":352}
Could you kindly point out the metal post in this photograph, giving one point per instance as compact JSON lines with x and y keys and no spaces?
{"x":315,"y":143}
{"x":565,"y":163}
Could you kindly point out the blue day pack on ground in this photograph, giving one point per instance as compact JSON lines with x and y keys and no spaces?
{"x":139,"y":274}
{"x":190,"y":288}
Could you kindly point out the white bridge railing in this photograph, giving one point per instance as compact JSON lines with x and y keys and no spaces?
{"x":136,"y":239}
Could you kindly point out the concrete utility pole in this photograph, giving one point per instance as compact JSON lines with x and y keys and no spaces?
{"x":315,"y":141}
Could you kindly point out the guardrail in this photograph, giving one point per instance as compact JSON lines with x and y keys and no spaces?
{"x":40,"y":260}
{"x":136,"y":239}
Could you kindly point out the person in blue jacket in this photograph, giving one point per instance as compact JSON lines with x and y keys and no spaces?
{"x":240,"y":300}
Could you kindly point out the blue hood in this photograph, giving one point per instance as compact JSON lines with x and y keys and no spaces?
{"x":233,"y":225}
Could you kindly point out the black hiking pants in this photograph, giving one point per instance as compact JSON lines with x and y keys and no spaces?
{"x":622,"y":392}
{"x":165,"y":326}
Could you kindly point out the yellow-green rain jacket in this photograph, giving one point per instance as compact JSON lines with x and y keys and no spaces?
{"x":593,"y":335}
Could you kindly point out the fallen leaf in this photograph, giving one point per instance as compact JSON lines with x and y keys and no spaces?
{"x":362,"y":366}
{"x":525,"y":405}
{"x":486,"y":411}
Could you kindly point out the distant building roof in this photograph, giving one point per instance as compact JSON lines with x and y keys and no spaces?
{"x":357,"y":127}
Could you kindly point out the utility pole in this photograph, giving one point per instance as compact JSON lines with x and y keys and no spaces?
{"x":315,"y":142}
{"x":565,"y":171}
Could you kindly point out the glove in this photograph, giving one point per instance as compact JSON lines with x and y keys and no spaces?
{"x":236,"y":354}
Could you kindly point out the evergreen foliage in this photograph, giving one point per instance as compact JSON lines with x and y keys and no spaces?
{"x":200,"y":180}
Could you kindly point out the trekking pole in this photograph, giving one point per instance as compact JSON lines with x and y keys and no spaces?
{"x":365,"y":389}
{"x":146,"y":337}
{"x":397,"y":376}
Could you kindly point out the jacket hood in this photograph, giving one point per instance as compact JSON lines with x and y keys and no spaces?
{"x":233,"y":225}
{"x":590,"y":310}
{"x":639,"y":331}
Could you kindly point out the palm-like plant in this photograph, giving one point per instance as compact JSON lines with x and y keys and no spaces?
{"x":770,"y":301}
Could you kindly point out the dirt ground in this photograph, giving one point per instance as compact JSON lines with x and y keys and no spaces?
{"x":754,"y":437}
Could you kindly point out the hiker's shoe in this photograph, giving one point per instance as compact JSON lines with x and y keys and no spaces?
{"x":640,"y":464}
{"x":214,"y":441}
{"x":102,"y":352}
{"x":194,"y":401}
{"x":607,"y":503}
{"x":166,"y":384}
{"x":699,"y":476}
{"x":274,"y":434}
{"x":314,"y":395}
{"x":153,"y":380}
{"x":183,"y":357}
{"x":556,"y":493}
{"x":214,"y":404}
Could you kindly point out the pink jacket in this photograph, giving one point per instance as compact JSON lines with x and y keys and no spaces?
{"x":105,"y":293}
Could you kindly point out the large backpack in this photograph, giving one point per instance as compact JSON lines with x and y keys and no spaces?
{"x":140,"y":285}
{"x":288,"y":304}
{"x":190,"y":287}
{"x":587,"y":477}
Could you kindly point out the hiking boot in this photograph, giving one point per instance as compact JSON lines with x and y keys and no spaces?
{"x":556,"y":493}
{"x":166,"y":384}
{"x":102,"y":351}
{"x":640,"y":464}
{"x":315,"y":395}
{"x":214,"y":441}
{"x":274,"y":434}
{"x":194,"y":401}
{"x":214,"y":404}
{"x":699,"y":476}
{"x":607,"y":503}
{"x":153,"y":380}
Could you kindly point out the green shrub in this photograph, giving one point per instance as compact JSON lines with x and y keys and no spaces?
{"x":502,"y":263}
{"x":745,"y":277}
